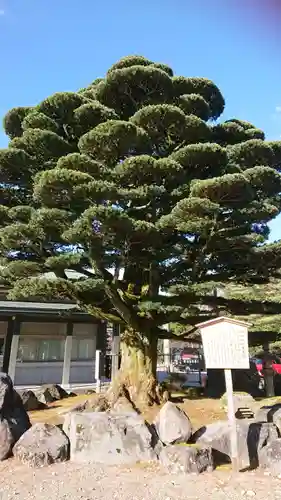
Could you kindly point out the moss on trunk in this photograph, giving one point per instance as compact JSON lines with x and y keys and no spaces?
{"x":136,"y":377}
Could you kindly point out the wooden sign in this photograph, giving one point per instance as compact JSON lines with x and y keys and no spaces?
{"x":225,"y":345}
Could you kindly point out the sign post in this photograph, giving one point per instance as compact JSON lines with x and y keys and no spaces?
{"x":231,"y":419}
{"x":225,"y":345}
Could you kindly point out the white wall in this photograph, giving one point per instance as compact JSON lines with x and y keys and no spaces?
{"x":28,"y":374}
{"x":38,"y":373}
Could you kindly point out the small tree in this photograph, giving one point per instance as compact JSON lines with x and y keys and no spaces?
{"x":130,"y":183}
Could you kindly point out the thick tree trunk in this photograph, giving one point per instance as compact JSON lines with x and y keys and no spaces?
{"x":136,"y":377}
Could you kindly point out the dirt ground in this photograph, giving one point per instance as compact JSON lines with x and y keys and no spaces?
{"x":70,"y":481}
{"x":200,"y":411}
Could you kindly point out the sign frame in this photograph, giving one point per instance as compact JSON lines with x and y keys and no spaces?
{"x":233,"y":352}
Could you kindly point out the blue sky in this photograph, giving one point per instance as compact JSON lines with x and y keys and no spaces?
{"x":53,"y":45}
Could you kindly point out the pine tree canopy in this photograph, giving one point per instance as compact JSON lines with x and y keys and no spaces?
{"x":133,"y":184}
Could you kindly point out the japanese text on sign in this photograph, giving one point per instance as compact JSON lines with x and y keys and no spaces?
{"x":225,"y":346}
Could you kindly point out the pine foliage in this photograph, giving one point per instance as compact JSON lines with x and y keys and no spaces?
{"x":133,"y":184}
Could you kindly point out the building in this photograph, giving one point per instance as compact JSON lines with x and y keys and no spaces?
{"x":46,"y":342}
{"x":55,"y":343}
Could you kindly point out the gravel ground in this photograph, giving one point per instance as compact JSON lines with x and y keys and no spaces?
{"x":73,"y":482}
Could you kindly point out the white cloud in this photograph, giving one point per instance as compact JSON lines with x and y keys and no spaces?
{"x":278,"y":109}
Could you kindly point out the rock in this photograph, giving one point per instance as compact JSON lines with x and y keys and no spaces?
{"x":58,"y":391}
{"x":100,"y":405}
{"x":270,"y":457}
{"x":41,"y":445}
{"x":99,"y":437}
{"x":30,"y":401}
{"x":122,"y":405}
{"x":45,"y":397}
{"x":18,"y":421}
{"x":11,"y":408}
{"x":241,"y":400}
{"x":6,"y":392}
{"x":157,"y":445}
{"x":86,"y":406}
{"x":252,"y":437}
{"x":270,"y":414}
{"x":66,"y":424}
{"x":172,"y":425}
{"x":178,"y":458}
{"x":6,"y":440}
{"x":50,"y":393}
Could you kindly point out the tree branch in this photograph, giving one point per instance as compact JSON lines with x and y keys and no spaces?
{"x":112,"y":292}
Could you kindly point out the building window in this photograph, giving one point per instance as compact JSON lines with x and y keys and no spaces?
{"x":27,"y":350}
{"x":83,"y":349}
{"x":31,"y":349}
{"x":50,"y":350}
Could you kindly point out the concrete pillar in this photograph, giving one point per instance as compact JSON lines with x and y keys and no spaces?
{"x":97,"y":370}
{"x":167,"y":353}
{"x":101,"y":346}
{"x":115,"y":350}
{"x":14,"y":353}
{"x":67,"y":355}
{"x":11,"y":347}
{"x":95,"y":334}
{"x":7,"y":346}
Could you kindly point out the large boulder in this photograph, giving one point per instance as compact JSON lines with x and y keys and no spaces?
{"x":50,"y":393}
{"x":41,"y":445}
{"x":100,"y":404}
{"x":122,"y":405}
{"x":6,"y":440}
{"x":11,"y":408}
{"x":252,"y":437}
{"x":270,"y":414}
{"x":6,"y":392}
{"x":172,"y":425}
{"x":188,"y":459}
{"x":270,"y":457}
{"x":241,"y":400}
{"x":66,"y":413}
{"x":67,"y":422}
{"x":116,"y":439}
{"x":18,"y":421}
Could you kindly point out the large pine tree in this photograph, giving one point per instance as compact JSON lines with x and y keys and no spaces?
{"x":131,"y":183}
